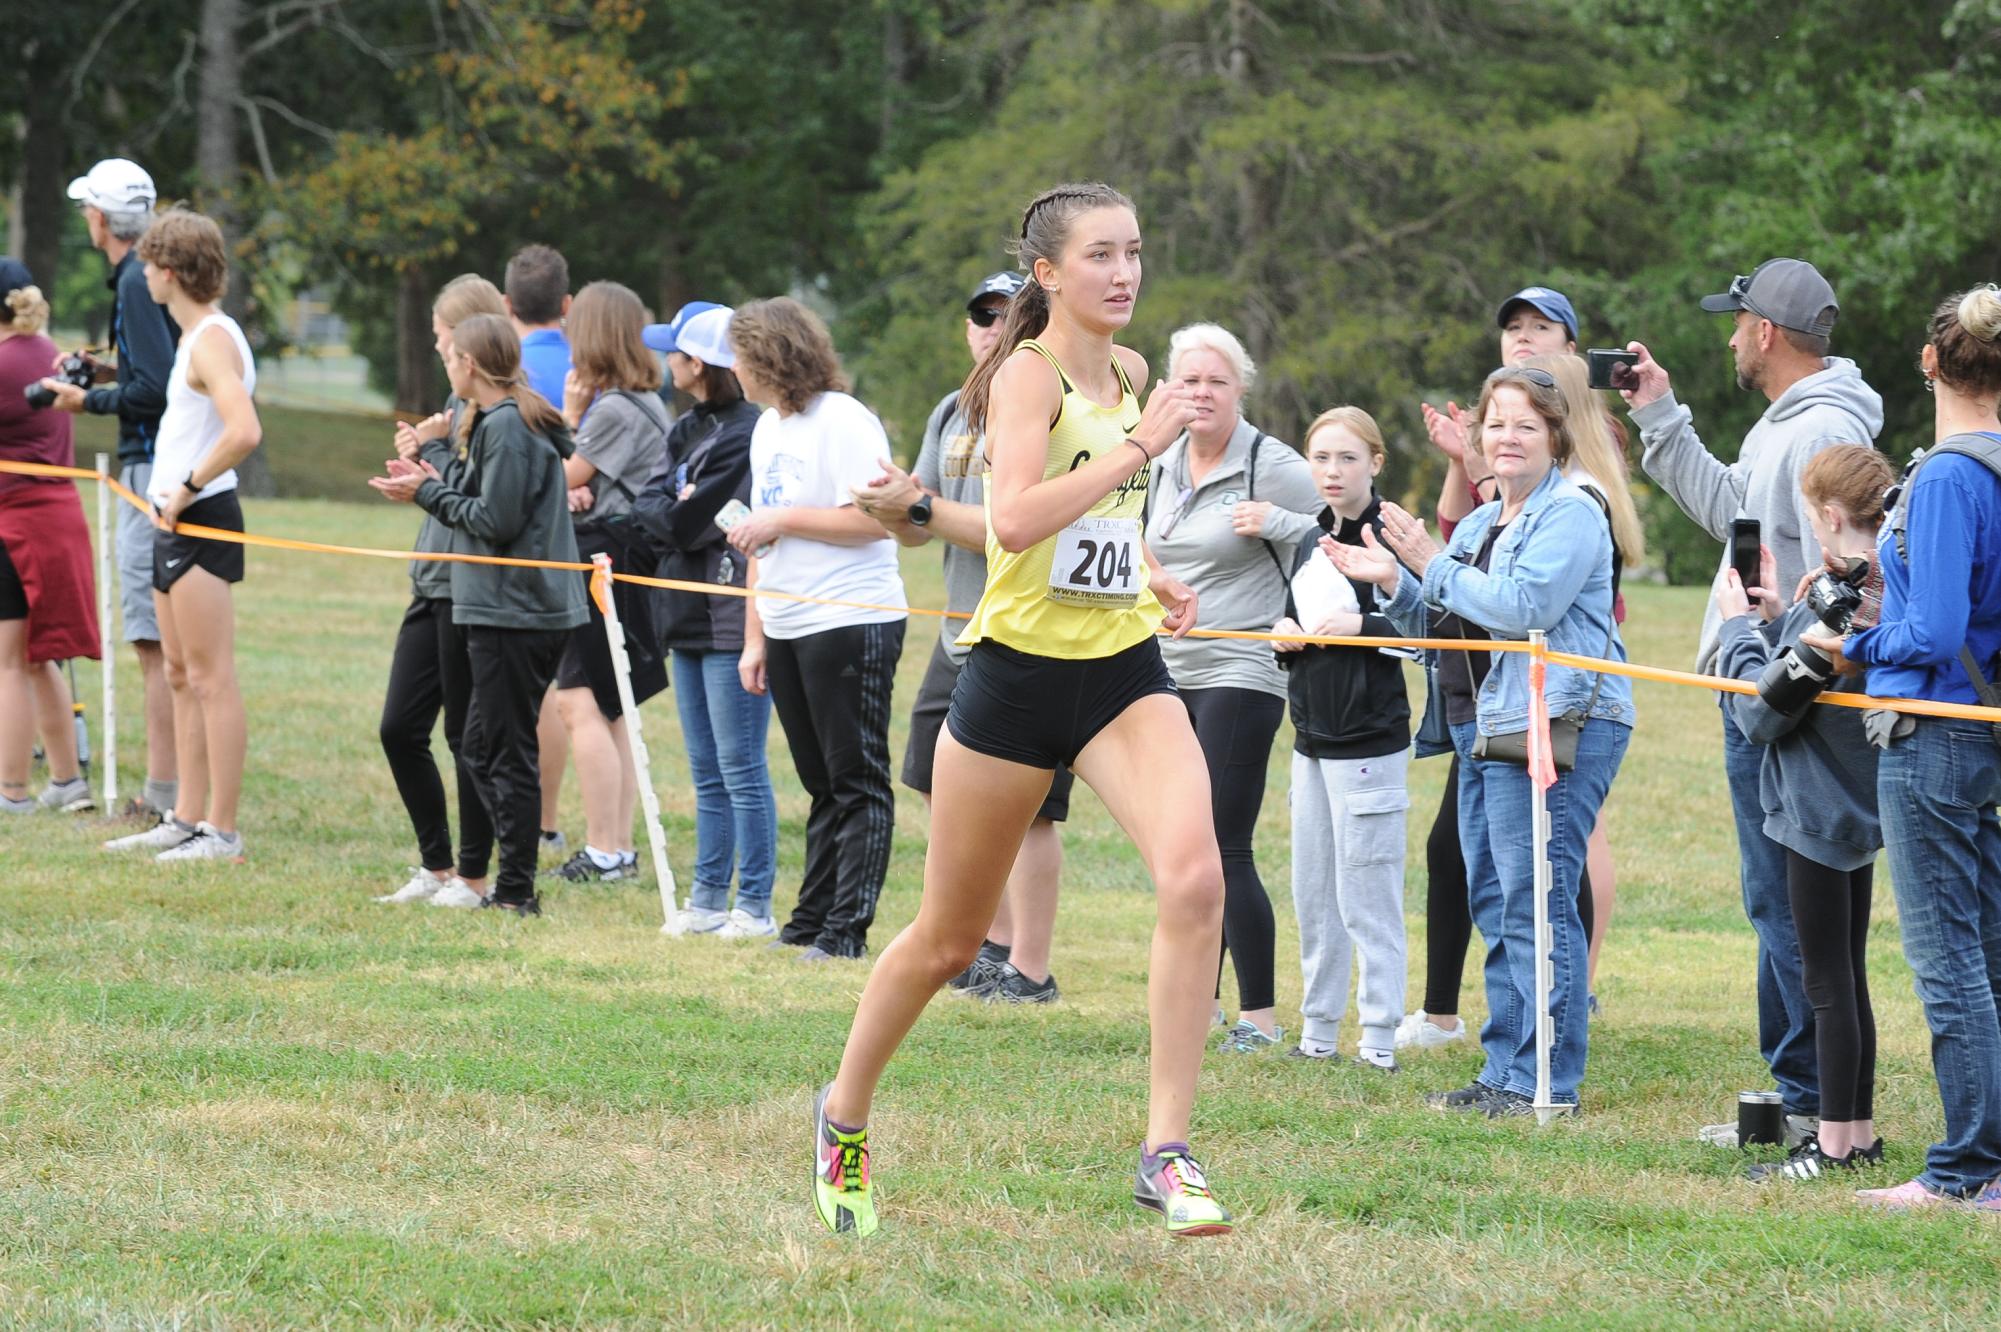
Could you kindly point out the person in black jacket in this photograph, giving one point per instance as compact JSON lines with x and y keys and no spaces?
{"x":509,"y":501}
{"x":116,"y":199}
{"x":723,"y":725}
{"x":1350,"y":760}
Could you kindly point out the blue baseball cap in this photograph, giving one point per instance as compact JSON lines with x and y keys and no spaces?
{"x":1003,"y":284}
{"x":1550,"y":304}
{"x":666,"y":337}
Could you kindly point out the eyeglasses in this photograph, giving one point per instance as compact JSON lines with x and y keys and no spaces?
{"x":984,"y":316}
{"x":1173,"y":519}
{"x":1540,"y":378}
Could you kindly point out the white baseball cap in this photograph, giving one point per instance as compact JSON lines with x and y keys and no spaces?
{"x":114,"y":185}
{"x":706,"y":337}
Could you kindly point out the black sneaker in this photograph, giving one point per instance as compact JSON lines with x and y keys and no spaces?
{"x":531,"y":907}
{"x":984,"y":969}
{"x":580,"y":868}
{"x":1808,"y":1162}
{"x":1474,"y":1096}
{"x":1011,"y":987}
{"x":1514,"y":1105}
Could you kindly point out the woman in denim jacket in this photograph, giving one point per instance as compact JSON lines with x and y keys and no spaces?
{"x":1539,"y":557}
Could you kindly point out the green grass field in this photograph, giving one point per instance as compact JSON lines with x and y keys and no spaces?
{"x":248,"y":1097}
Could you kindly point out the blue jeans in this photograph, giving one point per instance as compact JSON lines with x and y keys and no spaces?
{"x":736,"y":817}
{"x":1785,"y":1014}
{"x":1937,"y":788}
{"x":1498,"y":837}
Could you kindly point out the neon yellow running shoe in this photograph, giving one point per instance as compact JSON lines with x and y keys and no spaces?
{"x":1171,"y":1182}
{"x":840,"y":1174}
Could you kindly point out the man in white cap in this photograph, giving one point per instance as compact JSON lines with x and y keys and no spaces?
{"x":116,"y":198}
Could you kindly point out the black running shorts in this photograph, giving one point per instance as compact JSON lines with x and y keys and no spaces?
{"x":174,"y":554}
{"x":927,"y":718}
{"x":1042,"y":711}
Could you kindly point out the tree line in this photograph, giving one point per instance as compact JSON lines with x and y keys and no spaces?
{"x":1352,"y":185}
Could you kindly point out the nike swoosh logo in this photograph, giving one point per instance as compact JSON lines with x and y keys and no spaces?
{"x":172,"y":563}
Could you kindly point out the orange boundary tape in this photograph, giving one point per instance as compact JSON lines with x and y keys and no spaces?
{"x":1656,"y":674}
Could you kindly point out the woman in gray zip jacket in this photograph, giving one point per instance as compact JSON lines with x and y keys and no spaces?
{"x":1817,"y":786}
{"x":509,"y":501}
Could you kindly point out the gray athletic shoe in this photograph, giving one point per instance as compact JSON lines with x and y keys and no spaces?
{"x":165,"y":835}
{"x":70,"y":797}
{"x":208,"y":843}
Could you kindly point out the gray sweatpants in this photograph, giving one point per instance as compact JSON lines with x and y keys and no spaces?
{"x":1347,"y":888}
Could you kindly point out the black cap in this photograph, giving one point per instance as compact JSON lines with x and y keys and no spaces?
{"x":1003,"y":284}
{"x":1789,"y":292}
{"x":14,"y":274}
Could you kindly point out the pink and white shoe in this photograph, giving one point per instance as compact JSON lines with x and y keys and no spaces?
{"x":1909,"y":1196}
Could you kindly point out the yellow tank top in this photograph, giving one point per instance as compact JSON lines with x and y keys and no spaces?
{"x":1081,"y":593}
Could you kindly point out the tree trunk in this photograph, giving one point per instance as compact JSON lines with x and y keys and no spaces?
{"x":416,"y":366}
{"x":44,"y":207}
{"x":216,"y":164}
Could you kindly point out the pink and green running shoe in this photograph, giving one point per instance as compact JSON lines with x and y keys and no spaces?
{"x":1171,"y":1182}
{"x":841,"y":1189}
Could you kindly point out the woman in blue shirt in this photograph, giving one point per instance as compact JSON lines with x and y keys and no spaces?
{"x":1939,"y":778}
{"x":1538,"y":557}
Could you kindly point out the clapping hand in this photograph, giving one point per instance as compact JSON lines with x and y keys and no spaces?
{"x":1447,"y":429}
{"x":403,"y":479}
{"x":1407,"y":539}
{"x":888,"y":498}
{"x":1366,"y":563}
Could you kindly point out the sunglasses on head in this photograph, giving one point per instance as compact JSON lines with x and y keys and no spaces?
{"x":984,"y":316}
{"x":1541,"y":378}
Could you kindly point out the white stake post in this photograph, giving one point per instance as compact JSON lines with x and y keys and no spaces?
{"x":1545,"y":940}
{"x":107,"y":547}
{"x":642,"y":767}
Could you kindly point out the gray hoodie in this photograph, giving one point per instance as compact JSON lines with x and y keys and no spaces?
{"x":1817,"y":784}
{"x":1832,"y":406}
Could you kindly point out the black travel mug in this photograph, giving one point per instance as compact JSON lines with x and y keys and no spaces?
{"x":1761,"y":1118}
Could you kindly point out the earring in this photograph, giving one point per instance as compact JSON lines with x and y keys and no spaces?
{"x":1931,"y":384}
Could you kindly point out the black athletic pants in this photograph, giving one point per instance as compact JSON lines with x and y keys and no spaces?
{"x":429,"y":674}
{"x":1235,"y":728}
{"x":1831,"y":914}
{"x":511,"y":670}
{"x":831,"y":692}
{"x":1448,"y":917}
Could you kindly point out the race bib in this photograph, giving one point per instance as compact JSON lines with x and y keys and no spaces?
{"x":1097,"y":563}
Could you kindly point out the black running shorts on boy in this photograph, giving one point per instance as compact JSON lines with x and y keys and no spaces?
{"x":927,"y":718}
{"x":1043,"y":711}
{"x":174,"y":553}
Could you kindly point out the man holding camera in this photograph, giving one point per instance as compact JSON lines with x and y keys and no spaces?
{"x":1783,"y":314}
{"x":116,"y":198}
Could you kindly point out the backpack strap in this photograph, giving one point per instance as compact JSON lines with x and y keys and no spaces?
{"x":1251,"y":493}
{"x":1984,"y":448}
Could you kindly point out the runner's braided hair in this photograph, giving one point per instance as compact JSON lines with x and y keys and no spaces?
{"x":1045,"y":229}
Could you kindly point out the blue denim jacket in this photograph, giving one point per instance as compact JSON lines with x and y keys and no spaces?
{"x":1551,"y":570}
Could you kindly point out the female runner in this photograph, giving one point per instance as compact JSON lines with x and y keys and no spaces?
{"x":1064,"y":668}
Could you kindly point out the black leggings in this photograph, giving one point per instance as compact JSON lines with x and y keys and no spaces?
{"x":511,"y":670}
{"x":1831,"y":913}
{"x":1235,"y":728}
{"x":1448,"y":917}
{"x":429,"y":673}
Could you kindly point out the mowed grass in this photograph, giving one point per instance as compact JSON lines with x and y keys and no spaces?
{"x":249,"y":1097}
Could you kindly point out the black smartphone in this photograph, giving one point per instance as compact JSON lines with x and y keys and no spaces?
{"x":1599,"y":363}
{"x":1744,"y":555}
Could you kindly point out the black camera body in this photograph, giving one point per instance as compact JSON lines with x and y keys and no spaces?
{"x":1795,"y":677}
{"x":76,"y":368}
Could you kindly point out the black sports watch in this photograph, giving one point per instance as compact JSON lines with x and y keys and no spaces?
{"x":189,"y":482}
{"x":920,"y":511}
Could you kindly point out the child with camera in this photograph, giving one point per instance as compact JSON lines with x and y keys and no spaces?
{"x":1817,"y":785}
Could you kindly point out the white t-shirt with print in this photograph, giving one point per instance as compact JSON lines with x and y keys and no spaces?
{"x":813,"y":459}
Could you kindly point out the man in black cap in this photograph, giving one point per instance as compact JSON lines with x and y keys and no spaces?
{"x":943,"y":496}
{"x":1783,"y":312}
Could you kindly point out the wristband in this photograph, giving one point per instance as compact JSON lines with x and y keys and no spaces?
{"x":192,"y":488}
{"x":1141,"y":447}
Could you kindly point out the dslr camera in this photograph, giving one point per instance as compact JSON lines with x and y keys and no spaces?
{"x":78,"y":368}
{"x":1795,"y":677}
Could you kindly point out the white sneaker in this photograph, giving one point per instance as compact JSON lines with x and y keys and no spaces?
{"x":743,"y":925}
{"x":70,"y":797}
{"x":1419,"y":1030}
{"x":423,"y":886}
{"x":703,"y":920}
{"x":165,"y":835}
{"x":208,"y":843}
{"x":456,"y":894}
{"x":1798,"y":1129}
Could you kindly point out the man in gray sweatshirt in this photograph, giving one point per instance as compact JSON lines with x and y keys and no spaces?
{"x":1783,"y":314}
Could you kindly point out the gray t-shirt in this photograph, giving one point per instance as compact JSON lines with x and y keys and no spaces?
{"x":1239,"y":583}
{"x":624,"y":436}
{"x":946,"y":466}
